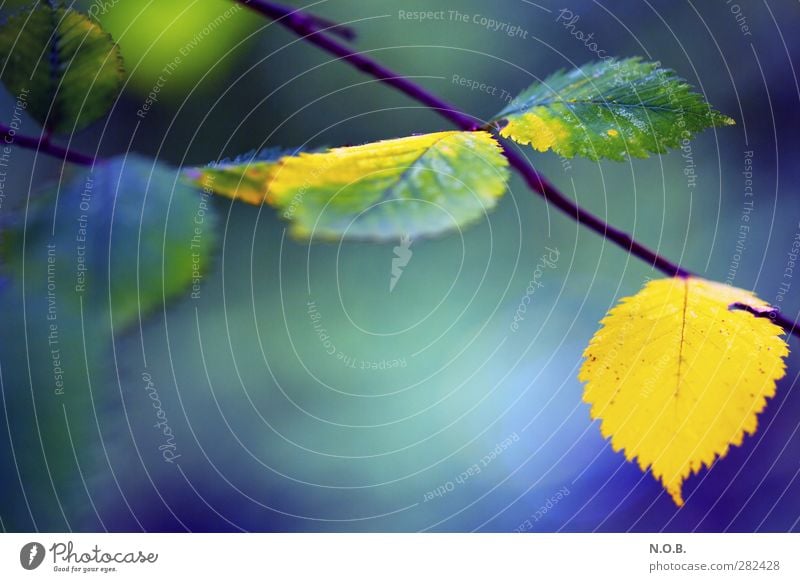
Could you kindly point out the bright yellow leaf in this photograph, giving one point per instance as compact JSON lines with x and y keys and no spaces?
{"x":677,"y":377}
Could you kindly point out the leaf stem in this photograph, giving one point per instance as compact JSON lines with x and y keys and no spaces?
{"x":44,"y":145}
{"x":774,"y":315}
{"x":308,"y":29}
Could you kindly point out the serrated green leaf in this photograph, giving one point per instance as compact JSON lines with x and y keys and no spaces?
{"x":65,"y":66}
{"x":128,"y":235}
{"x":414,"y":186}
{"x":608,"y":109}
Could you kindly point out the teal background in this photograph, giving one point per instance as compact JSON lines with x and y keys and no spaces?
{"x":275,"y":434}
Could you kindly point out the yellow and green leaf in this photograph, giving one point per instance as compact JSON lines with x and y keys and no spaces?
{"x":61,"y":64}
{"x":413,"y":186}
{"x":676,"y":376}
{"x":608,"y":109}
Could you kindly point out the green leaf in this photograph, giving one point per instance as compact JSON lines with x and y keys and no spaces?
{"x":128,"y":235}
{"x":413,"y":186}
{"x":67,"y":69}
{"x":609,"y":109}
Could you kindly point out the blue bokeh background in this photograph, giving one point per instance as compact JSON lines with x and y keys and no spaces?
{"x":276,"y":434}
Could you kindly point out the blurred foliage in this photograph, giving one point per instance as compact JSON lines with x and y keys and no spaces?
{"x":68,"y":84}
{"x":178,"y":42}
{"x":128,"y":230}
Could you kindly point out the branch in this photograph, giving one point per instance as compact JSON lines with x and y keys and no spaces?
{"x":312,"y":21}
{"x":289,"y":18}
{"x":340,"y":30}
{"x":44,"y":145}
{"x":299,"y":23}
{"x":303,"y":25}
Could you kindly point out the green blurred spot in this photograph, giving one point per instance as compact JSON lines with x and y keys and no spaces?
{"x":123,"y":237}
{"x":177,"y":40}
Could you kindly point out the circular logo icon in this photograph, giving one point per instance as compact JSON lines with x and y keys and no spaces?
{"x":31,"y":555}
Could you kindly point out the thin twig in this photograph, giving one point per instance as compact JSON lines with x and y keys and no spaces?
{"x":301,"y":24}
{"x":772,"y":314}
{"x":44,"y":145}
{"x":320,"y":23}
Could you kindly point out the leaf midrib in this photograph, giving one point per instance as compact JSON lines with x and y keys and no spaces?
{"x":388,"y":194}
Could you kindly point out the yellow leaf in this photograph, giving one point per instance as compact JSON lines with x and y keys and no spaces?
{"x":677,"y":377}
{"x":421,"y":185}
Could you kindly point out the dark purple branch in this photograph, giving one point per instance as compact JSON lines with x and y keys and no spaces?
{"x":340,"y":30}
{"x":44,"y":145}
{"x":303,"y":25}
{"x":311,"y":21}
{"x":543,"y":186}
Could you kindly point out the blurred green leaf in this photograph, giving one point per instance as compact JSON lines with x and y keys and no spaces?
{"x":173,"y":44}
{"x":67,"y":69}
{"x":413,"y":186}
{"x":127,"y":235}
{"x":609,"y":109}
